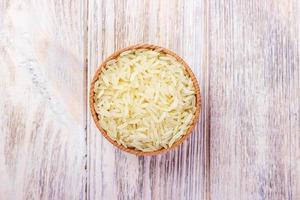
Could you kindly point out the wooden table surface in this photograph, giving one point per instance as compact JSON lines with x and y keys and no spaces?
{"x":245,"y":54}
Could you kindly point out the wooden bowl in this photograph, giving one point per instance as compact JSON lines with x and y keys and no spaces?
{"x":188,"y":70}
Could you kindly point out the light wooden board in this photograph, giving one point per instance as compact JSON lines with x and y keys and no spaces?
{"x":42,"y":100}
{"x":254,"y":74}
{"x":178,"y":25}
{"x":245,"y":54}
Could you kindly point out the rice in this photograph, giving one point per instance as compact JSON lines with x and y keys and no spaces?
{"x":144,"y":100}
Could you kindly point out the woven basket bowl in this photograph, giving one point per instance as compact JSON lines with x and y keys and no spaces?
{"x":158,"y":49}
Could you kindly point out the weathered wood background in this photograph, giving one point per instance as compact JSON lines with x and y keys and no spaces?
{"x":245,"y":54}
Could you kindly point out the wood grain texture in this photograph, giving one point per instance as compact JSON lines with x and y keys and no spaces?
{"x":245,"y":55}
{"x":254,"y":92}
{"x":42,"y":105}
{"x":179,"y":26}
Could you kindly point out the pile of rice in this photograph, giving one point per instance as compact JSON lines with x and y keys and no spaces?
{"x":145,"y":100}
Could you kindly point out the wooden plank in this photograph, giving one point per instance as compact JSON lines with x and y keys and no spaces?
{"x":254,"y":99}
{"x":178,"y":25}
{"x":42,"y":99}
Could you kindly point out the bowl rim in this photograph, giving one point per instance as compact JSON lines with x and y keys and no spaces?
{"x":187,"y":69}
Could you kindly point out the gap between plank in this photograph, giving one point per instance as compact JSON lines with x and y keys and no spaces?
{"x":86,"y":88}
{"x":207,"y":102}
